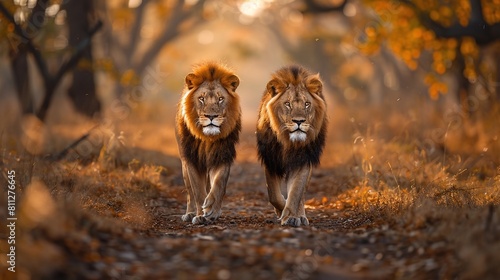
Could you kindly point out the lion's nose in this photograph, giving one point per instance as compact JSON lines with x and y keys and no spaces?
{"x":211,"y":117}
{"x":298,"y":121}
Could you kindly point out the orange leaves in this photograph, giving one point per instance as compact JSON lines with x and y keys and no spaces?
{"x":407,"y":43}
{"x":317,"y":202}
{"x":436,"y":87}
{"x":358,"y":197}
{"x":442,"y":14}
{"x":428,"y":38}
{"x":417,"y":33}
{"x":399,"y":27}
{"x":324,"y":200}
{"x":408,"y":37}
{"x":446,"y":12}
{"x":444,"y":52}
{"x":373,"y":36}
{"x":470,"y":52}
{"x":469,"y":47}
{"x":491,"y":11}
{"x":439,"y":67}
{"x":462,"y":11}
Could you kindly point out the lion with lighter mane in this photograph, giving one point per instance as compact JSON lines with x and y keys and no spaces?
{"x":208,"y":125}
{"x":291,"y":131}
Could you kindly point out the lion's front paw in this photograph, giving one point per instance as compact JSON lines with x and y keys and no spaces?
{"x":288,"y":219}
{"x":198,"y":220}
{"x":188,"y":217}
{"x":295,"y":221}
{"x":211,"y":209}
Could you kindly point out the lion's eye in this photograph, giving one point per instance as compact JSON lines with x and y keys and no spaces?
{"x":221,"y":99}
{"x":308,"y":104}
{"x":202,"y":99}
{"x":287,"y":104}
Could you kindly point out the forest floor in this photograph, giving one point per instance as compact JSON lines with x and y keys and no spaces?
{"x":379,"y":207}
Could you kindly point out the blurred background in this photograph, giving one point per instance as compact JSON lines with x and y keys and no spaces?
{"x":88,"y":93}
{"x":430,"y":62}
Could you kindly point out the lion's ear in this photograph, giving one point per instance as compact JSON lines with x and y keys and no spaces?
{"x":314,"y":84}
{"x":191,"y":80}
{"x":232,"y":82}
{"x":273,"y":86}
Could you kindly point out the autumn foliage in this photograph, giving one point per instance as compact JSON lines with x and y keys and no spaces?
{"x":443,"y":29}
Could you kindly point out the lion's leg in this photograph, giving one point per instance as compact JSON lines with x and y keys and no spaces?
{"x":218,"y":181}
{"x":274,"y":192}
{"x":198,"y":187}
{"x":294,"y":213}
{"x":191,"y":206}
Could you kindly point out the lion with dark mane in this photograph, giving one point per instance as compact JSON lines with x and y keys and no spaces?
{"x":291,"y":132}
{"x":208,"y":125}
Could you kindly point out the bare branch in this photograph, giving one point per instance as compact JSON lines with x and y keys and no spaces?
{"x":316,"y":8}
{"x":52,"y":82}
{"x":19,"y":31}
{"x":136,"y":30}
{"x":179,"y":15}
{"x":66,"y":150}
{"x":36,"y":21}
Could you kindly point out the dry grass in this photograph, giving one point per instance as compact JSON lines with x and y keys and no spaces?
{"x":443,"y":197}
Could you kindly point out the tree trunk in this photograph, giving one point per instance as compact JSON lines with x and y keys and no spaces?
{"x":82,"y":91}
{"x":19,"y":65}
{"x":18,"y":55}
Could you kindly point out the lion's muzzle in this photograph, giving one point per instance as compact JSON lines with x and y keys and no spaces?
{"x":298,"y":130}
{"x":211,"y":124}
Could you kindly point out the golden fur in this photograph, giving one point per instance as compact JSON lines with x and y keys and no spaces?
{"x":291,"y":133}
{"x":208,"y":124}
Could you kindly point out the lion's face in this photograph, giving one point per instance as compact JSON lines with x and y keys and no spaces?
{"x":297,"y":110}
{"x":211,"y":102}
{"x":210,"y":106}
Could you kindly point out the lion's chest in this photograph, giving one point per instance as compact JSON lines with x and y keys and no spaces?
{"x":281,"y":161}
{"x":203,"y":154}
